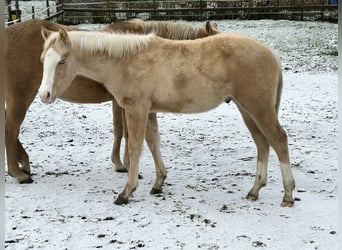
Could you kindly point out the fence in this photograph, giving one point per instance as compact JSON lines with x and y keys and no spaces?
{"x":16,"y":11}
{"x":111,"y":11}
{"x":106,"y":11}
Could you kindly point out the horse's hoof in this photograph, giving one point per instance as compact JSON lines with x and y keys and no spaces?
{"x":251,"y":197}
{"x":156,"y":191}
{"x":121,"y":170}
{"x":26,"y":181}
{"x":120,"y":200}
{"x":140,"y":176}
{"x":286,"y":203}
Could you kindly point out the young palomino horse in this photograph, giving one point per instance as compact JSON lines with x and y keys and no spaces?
{"x":21,"y":87}
{"x":147,"y":74}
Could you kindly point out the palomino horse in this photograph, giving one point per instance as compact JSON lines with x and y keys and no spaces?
{"x":23,"y":47}
{"x":146,"y":73}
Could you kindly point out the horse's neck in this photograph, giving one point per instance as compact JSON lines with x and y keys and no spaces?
{"x":93,"y":66}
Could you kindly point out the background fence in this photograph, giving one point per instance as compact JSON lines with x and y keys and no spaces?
{"x":76,"y":11}
{"x":16,"y":11}
{"x":106,"y":11}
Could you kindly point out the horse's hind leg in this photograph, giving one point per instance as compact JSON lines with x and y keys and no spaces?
{"x":153,"y":142}
{"x":15,"y":114}
{"x":263,"y":152}
{"x":118,"y":133}
{"x":268,"y":124}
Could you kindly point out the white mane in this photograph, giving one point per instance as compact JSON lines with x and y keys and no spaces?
{"x":170,"y":29}
{"x":112,"y":44}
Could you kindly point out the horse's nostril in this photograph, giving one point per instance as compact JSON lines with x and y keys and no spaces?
{"x":48,"y":95}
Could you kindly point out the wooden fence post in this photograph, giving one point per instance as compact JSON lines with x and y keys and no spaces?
{"x":9,"y":10}
{"x":109,"y":12}
{"x":154,"y":13}
{"x":17,"y":10}
{"x":60,"y":8}
{"x":201,"y":11}
{"x":48,"y":8}
{"x":33,"y":13}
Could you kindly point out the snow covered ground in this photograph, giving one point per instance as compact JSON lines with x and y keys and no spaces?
{"x":210,"y":159}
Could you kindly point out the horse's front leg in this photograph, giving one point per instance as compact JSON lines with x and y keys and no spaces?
{"x":136,"y":118}
{"x":15,"y":114}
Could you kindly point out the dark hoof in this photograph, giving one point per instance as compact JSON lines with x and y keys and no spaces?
{"x":140,"y":176}
{"x":121,"y":170}
{"x":120,"y":200}
{"x":251,"y":197}
{"x":26,"y":181}
{"x":156,"y":191}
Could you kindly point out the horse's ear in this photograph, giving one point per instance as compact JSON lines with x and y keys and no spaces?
{"x":63,"y":36}
{"x":208,"y":27}
{"x":45,"y":32}
{"x":211,"y":28}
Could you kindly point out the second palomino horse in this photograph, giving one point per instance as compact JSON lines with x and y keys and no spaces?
{"x":146,"y":73}
{"x":23,"y":72}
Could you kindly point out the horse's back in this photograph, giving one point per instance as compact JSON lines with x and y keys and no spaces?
{"x":167,"y":29}
{"x":125,"y":26}
{"x":16,"y":34}
{"x":23,"y":43}
{"x":224,"y":51}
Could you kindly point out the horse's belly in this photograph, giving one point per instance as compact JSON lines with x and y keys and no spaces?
{"x":201,"y":106}
{"x":186,"y":105}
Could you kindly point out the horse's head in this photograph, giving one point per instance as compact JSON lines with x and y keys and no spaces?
{"x":58,"y":64}
{"x":211,"y":28}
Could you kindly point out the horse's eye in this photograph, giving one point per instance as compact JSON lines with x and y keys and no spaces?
{"x":61,"y":61}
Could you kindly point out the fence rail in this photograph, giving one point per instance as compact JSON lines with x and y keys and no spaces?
{"x":106,"y":11}
{"x":218,"y":9}
{"x":111,"y":11}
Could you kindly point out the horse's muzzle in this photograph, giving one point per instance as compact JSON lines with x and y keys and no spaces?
{"x":46,"y":97}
